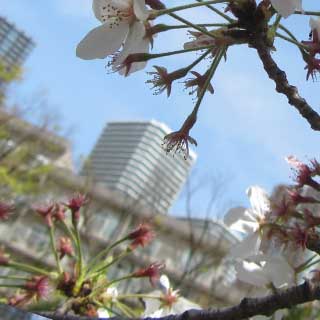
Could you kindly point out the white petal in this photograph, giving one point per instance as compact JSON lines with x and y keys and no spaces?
{"x":249,"y":246}
{"x":134,"y":43}
{"x":183,"y":305}
{"x":259,"y":200}
{"x":241,"y":219}
{"x":234,"y":215}
{"x":112,"y":292}
{"x":140,"y":9}
{"x":315,"y":24}
{"x":152,"y":305}
{"x":96,"y":7}
{"x":164,"y":282}
{"x":244,"y":226}
{"x":102,"y":41}
{"x":99,"y":5}
{"x":278,"y":271}
{"x":279,"y":314}
{"x":103,"y":313}
{"x":284,"y":7}
{"x":250,"y":272}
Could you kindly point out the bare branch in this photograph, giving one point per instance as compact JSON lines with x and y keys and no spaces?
{"x":283,"y":86}
{"x":247,"y":308}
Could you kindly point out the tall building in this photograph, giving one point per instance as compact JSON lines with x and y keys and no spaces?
{"x":15,"y":45}
{"x":128,"y":158}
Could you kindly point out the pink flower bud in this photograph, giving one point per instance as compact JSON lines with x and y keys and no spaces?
{"x":65,"y":247}
{"x":75,"y":204}
{"x":38,"y":286}
{"x":5,"y":210}
{"x":152,"y":272}
{"x":142,"y":236}
{"x":45,"y":211}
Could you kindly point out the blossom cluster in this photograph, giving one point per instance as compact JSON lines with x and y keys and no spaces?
{"x":277,"y":231}
{"x":78,"y":286}
{"x":128,"y":30}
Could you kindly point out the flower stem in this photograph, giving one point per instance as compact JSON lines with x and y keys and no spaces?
{"x":190,"y":24}
{"x":163,"y":27}
{"x":14,"y":278}
{"x":217,"y":11}
{"x":287,"y":31}
{"x":69,"y":231}
{"x":309,"y":265}
{"x":171,"y":53}
{"x":104,"y":252}
{"x":195,"y":62}
{"x":138,"y":295}
{"x":101,"y":305}
{"x":212,"y":70}
{"x":79,"y":251}
{"x":28,"y":268}
{"x":105,"y":267}
{"x":308,"y":13}
{"x":54,"y":249}
{"x":297,"y":43}
{"x":126,"y":310}
{"x":129,"y":276}
{"x":158,"y":13}
{"x":17,"y":286}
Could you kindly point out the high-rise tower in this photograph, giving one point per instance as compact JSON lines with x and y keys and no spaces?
{"x":15,"y":45}
{"x":128,"y":157}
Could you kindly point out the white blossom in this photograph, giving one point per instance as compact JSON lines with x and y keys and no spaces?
{"x":287,"y":7}
{"x":266,"y":270}
{"x":249,"y":221}
{"x":315,"y":24}
{"x":169,"y":302}
{"x":110,"y":295}
{"x":122,"y":26}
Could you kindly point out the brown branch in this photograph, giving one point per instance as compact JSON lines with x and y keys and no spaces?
{"x":314,"y":245}
{"x":247,"y":308}
{"x":283,"y":86}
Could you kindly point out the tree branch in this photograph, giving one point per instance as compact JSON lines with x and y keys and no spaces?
{"x":283,"y":86}
{"x":247,"y":308}
{"x":314,"y":245}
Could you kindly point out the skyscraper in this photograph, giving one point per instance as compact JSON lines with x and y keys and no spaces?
{"x":128,"y":158}
{"x":15,"y":45}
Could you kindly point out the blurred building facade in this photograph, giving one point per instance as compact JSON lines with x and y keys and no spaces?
{"x":111,"y":214}
{"x":127,"y":158}
{"x":15,"y":45}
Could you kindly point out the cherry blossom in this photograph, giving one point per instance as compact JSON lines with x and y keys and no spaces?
{"x":169,"y":302}
{"x":286,"y":7}
{"x":250,"y":222}
{"x":265,"y":271}
{"x":122,"y":26}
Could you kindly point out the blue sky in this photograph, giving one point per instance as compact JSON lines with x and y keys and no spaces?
{"x":244,"y":130}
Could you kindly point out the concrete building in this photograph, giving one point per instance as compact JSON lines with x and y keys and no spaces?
{"x":128,"y":158}
{"x":15,"y":45}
